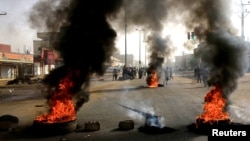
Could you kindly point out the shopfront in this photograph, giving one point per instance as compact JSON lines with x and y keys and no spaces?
{"x":15,"y":64}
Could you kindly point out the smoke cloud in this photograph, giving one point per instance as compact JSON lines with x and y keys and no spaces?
{"x":87,"y":39}
{"x":150,"y":16}
{"x":223,"y":52}
{"x":85,"y":42}
{"x":220,"y":49}
{"x":49,"y":15}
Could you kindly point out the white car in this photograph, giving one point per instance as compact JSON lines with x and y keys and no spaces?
{"x":111,"y":69}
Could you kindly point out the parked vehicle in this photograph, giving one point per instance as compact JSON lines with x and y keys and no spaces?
{"x":111,"y":69}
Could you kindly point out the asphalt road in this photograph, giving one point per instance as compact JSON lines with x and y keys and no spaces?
{"x":178,"y":103}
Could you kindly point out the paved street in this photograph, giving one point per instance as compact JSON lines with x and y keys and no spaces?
{"x":178,"y":103}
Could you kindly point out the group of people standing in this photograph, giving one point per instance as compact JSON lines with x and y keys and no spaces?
{"x":130,"y":73}
{"x":201,"y":74}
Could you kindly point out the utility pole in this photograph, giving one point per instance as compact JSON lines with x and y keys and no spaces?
{"x":139,"y":48}
{"x":2,"y":13}
{"x":145,"y":54}
{"x":140,"y":30}
{"x":242,"y":16}
{"x":183,"y":60}
{"x":125,"y":21}
{"x":145,"y":45}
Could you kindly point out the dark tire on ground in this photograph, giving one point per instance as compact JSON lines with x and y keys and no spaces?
{"x":8,"y":122}
{"x":54,"y":128}
{"x":126,"y":125}
{"x":92,"y":126}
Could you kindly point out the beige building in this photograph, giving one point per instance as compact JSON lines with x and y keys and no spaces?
{"x":14,"y":64}
{"x":114,"y":62}
{"x":130,"y":59}
{"x":46,"y":57}
{"x":182,"y":62}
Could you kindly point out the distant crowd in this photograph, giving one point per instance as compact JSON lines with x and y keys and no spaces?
{"x":130,"y":73}
{"x":141,"y":73}
{"x":201,"y":75}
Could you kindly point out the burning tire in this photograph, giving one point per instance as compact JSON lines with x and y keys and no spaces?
{"x":202,"y":124}
{"x":54,"y":128}
{"x":92,"y":126}
{"x":204,"y":128}
{"x":126,"y":125}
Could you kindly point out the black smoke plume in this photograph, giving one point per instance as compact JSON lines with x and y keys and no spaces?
{"x":225,"y":56}
{"x":85,"y":41}
{"x":151,"y":16}
{"x":221,"y":50}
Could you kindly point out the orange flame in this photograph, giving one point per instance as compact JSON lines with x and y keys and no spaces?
{"x":214,"y":106}
{"x":153,"y":80}
{"x":62,"y":107}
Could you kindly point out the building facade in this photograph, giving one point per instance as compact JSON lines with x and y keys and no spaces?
{"x":121,"y":57}
{"x":183,"y":62}
{"x":13,"y":64}
{"x":46,"y":57}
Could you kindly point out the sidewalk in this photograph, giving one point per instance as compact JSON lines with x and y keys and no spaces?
{"x":3,"y":82}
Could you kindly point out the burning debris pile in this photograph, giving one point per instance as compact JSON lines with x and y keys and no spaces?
{"x":227,"y":64}
{"x":214,"y":115}
{"x":155,"y":70}
{"x":150,"y":16}
{"x":152,"y":78}
{"x":85,"y":43}
{"x":214,"y":110}
{"x":63,"y":109}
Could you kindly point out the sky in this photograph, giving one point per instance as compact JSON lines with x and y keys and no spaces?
{"x":14,"y":29}
{"x":17,"y":32}
{"x":175,"y":32}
